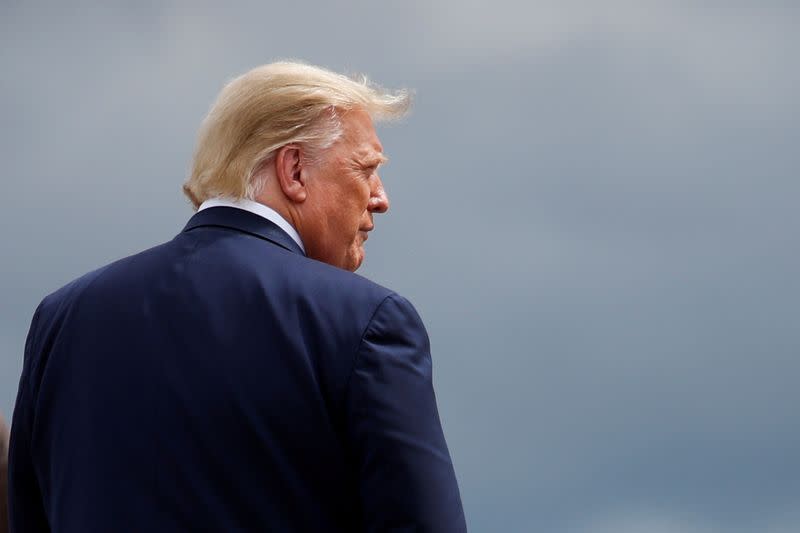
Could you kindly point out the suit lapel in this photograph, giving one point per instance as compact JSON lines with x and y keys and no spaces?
{"x":244,"y":221}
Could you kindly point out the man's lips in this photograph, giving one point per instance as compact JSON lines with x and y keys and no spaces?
{"x":365,"y":232}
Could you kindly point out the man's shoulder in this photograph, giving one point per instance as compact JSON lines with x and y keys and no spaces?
{"x":343,"y":297}
{"x":328,"y":278}
{"x":65,"y":296}
{"x":363,"y":297}
{"x":61,"y":298}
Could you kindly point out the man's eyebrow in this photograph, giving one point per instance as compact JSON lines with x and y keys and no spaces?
{"x":374,"y":161}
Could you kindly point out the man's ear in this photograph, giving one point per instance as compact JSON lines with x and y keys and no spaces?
{"x":289,"y":161}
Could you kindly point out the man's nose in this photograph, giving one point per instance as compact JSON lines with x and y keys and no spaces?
{"x":379,"y":201}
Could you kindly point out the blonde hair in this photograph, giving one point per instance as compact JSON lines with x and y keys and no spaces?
{"x":269,"y":107}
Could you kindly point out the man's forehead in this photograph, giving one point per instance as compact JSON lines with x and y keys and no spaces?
{"x":369,"y":148}
{"x":360,"y":130}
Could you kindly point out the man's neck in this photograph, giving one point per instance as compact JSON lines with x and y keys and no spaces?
{"x":260,"y":209}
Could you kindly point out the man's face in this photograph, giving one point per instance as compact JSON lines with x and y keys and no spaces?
{"x":344,"y":191}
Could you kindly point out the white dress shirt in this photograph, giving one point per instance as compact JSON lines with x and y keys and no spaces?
{"x":258,"y":209}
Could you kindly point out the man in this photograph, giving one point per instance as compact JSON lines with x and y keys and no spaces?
{"x":240,"y":377}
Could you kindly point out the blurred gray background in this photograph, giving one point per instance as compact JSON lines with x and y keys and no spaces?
{"x":594,"y":209}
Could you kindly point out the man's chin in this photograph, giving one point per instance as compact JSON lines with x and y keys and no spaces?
{"x":355,"y":260}
{"x":357,"y":264}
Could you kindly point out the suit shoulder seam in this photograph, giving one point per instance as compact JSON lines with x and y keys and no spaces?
{"x":361,"y":340}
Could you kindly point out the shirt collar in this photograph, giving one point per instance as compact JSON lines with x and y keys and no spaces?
{"x":258,"y":209}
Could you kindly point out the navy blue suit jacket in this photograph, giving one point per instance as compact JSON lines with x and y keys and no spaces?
{"x":223,"y":381}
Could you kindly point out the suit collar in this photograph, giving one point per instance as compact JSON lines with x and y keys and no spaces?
{"x":244,"y":221}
